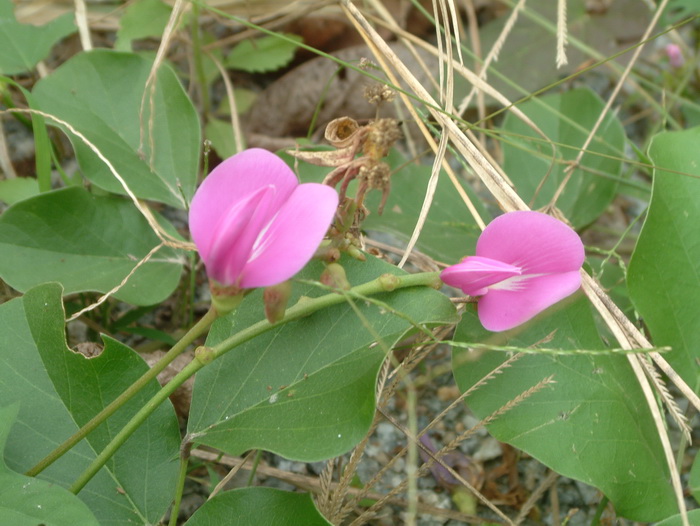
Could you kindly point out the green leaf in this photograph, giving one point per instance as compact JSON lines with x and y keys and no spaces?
{"x":86,"y":243}
{"x":100,"y":94}
{"x":268,"y":53}
{"x":26,"y":501}
{"x":694,"y":479}
{"x":58,"y":390}
{"x":221,"y":136}
{"x":693,"y":518}
{"x":22,"y":46}
{"x":305,"y":389}
{"x":142,"y":19}
{"x":664,"y":274}
{"x":592,"y":424}
{"x":14,"y":190}
{"x":566,"y":119}
{"x":258,"y":507}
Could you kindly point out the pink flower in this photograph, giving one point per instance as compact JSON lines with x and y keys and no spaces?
{"x":254,"y":224}
{"x":524,"y":263}
{"x":675,"y":55}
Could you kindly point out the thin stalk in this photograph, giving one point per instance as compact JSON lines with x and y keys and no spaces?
{"x":184,"y":463}
{"x":197,"y":330}
{"x":254,"y":467}
{"x":300,"y":310}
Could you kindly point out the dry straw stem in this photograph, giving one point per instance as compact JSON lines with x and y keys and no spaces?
{"x":5,"y":161}
{"x":493,"y":55}
{"x":531,"y":502}
{"x":436,"y":457}
{"x":562,"y":32}
{"x":447,"y":96}
{"x":235,"y":121}
{"x":232,"y":473}
{"x":389,"y":392}
{"x":150,"y":88}
{"x":509,"y":200}
{"x":618,"y":87}
{"x":82,"y":23}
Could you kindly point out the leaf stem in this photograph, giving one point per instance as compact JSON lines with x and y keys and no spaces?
{"x":185,"y":449}
{"x":301,"y":309}
{"x":197,"y":330}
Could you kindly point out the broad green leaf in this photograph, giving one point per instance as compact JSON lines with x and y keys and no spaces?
{"x":143,"y":18}
{"x":58,"y":390}
{"x":258,"y":507}
{"x":566,"y":119}
{"x":26,"y":501}
{"x":664,"y":274}
{"x":100,"y":93}
{"x":86,"y":243}
{"x":693,"y":518}
{"x":694,"y":479}
{"x":22,"y":46}
{"x":14,"y":190}
{"x":592,"y":424}
{"x":221,"y":136}
{"x":449,"y":233}
{"x":305,"y":389}
{"x":268,"y":53}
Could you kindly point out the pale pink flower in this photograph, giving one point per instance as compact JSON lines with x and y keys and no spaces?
{"x":524,"y":263}
{"x":254,"y":224}
{"x":675,"y":55}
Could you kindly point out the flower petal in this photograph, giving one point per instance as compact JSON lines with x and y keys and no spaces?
{"x":293,"y":236}
{"x":232,"y":181}
{"x":236,"y":233}
{"x":535,"y":242}
{"x":474,"y":273}
{"x":502,"y":309}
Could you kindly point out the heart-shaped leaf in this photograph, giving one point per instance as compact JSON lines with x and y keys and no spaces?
{"x":592,"y":424}
{"x":22,"y":46}
{"x":85,"y":242}
{"x":305,"y":389}
{"x":58,"y":390}
{"x":566,"y":120}
{"x":259,"y":507}
{"x":26,"y":501}
{"x":101,"y":94}
{"x":664,"y":274}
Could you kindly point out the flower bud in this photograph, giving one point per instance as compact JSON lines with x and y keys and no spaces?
{"x":334,"y":276}
{"x":275,"y":299}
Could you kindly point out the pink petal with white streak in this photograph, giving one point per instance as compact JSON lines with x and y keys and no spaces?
{"x":503,"y":309}
{"x":293,"y":236}
{"x":474,"y":273}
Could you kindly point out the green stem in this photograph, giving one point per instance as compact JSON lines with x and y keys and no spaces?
{"x":300,"y":310}
{"x":254,"y":467}
{"x":599,"y":511}
{"x":184,"y":463}
{"x":197,"y":330}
